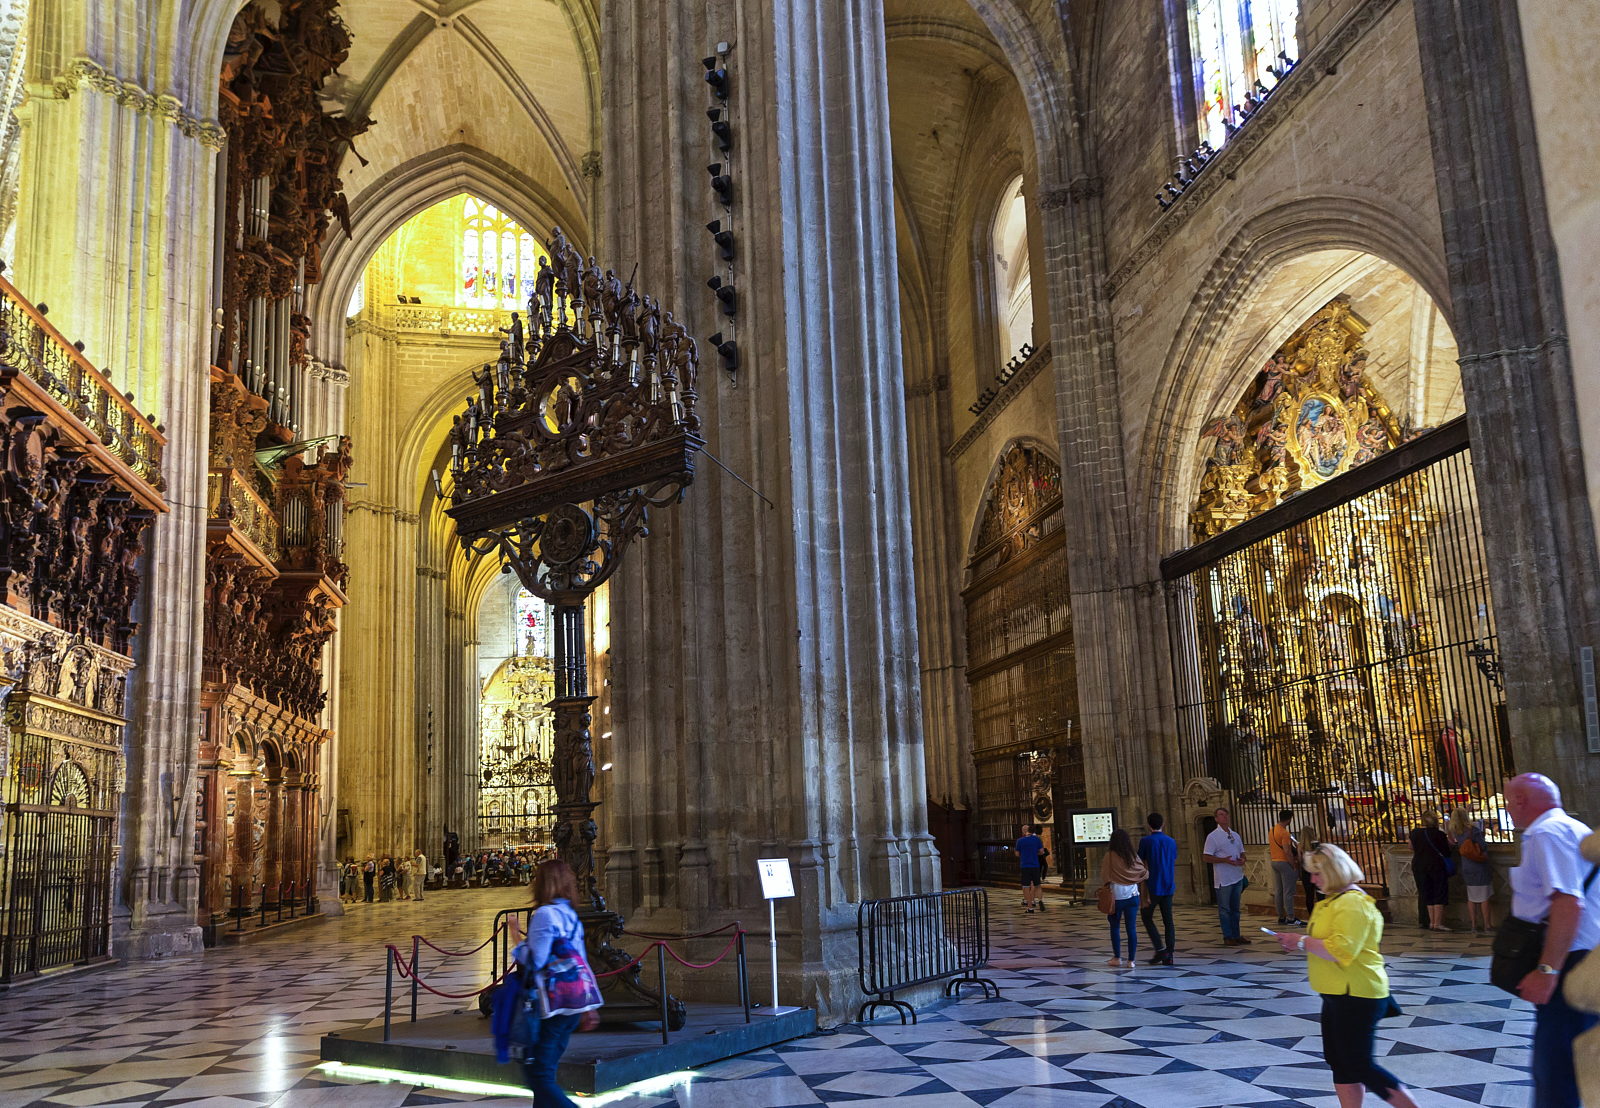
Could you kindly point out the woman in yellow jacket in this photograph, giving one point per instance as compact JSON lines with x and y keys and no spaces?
{"x":1342,"y":959}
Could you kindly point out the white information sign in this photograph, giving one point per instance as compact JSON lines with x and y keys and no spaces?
{"x":776,"y":884}
{"x":1092,"y":827}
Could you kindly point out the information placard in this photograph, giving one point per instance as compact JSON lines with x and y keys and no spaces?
{"x":1091,"y":826}
{"x":776,"y":884}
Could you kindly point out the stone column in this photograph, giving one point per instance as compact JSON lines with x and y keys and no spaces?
{"x":377,"y":738}
{"x":767,"y":698}
{"x":114,"y":232}
{"x":1516,"y":373}
{"x":294,"y":851}
{"x":272,"y":843}
{"x":242,"y":844}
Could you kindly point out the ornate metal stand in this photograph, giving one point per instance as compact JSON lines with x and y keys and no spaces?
{"x":556,"y":464}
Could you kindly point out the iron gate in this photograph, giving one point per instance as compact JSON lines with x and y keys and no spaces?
{"x":1336,"y":656}
{"x":59,"y":842}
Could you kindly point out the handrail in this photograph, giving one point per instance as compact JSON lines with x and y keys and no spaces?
{"x":89,"y":406}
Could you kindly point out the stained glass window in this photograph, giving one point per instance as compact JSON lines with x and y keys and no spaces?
{"x":498,"y":259}
{"x":1234,"y":42}
{"x":533,"y":640}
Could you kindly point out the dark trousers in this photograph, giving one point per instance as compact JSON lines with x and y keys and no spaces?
{"x":1148,"y":914}
{"x":366,"y":879}
{"x":1348,"y":1023}
{"x":1555,"y":1025}
{"x":539,"y":1067}
{"x":1311,"y":890}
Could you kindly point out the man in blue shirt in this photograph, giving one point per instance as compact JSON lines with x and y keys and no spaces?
{"x":1160,"y":854}
{"x":1028,"y":848}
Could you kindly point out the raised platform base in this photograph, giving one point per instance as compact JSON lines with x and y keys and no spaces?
{"x":252,"y":931}
{"x":461,"y":1046}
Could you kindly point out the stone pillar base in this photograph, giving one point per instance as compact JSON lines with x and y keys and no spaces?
{"x":160,"y":936}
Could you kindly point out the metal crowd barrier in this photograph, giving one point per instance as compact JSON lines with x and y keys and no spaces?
{"x":914,"y":940}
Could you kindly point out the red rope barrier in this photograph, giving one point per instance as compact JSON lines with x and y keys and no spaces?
{"x":696,"y":965}
{"x":461,"y":953}
{"x":406,"y":971}
{"x":702,"y":935}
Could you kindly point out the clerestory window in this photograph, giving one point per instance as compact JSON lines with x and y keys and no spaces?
{"x":1234,"y":42}
{"x":499,"y":259}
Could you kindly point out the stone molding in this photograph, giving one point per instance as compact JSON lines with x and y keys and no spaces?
{"x":1323,"y":61}
{"x":336,"y":375}
{"x":381,"y":510}
{"x":1013,"y":388}
{"x":431,"y":574}
{"x":86,"y":74}
{"x":938,"y":383}
{"x":1079,"y":190}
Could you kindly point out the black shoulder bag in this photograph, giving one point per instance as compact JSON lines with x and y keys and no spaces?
{"x":1517,"y":946}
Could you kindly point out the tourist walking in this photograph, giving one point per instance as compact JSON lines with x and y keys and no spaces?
{"x":1345,"y":966}
{"x":1027,"y":852}
{"x":369,"y":874}
{"x":1304,"y":844}
{"x":1467,"y":836}
{"x":1122,"y":869}
{"x":1285,"y":868}
{"x":1225,"y":853}
{"x":1159,"y":853}
{"x":1555,"y":889}
{"x":1431,"y":866}
{"x":554,"y":890}
{"x":419,"y":875}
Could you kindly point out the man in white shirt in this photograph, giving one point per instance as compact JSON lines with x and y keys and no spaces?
{"x":1553,"y":886}
{"x":1225,"y":852}
{"x":419,"y":875}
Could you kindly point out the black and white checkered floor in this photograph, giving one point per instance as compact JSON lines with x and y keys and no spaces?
{"x":239,"y":1028}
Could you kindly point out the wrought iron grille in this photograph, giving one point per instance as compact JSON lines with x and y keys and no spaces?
{"x":1021,"y":664}
{"x":58,"y":865}
{"x":1336,"y":656}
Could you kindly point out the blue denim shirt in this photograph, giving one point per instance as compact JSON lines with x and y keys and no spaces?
{"x":1160,"y":854}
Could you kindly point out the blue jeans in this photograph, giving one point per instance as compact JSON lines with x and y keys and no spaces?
{"x":1125,"y":913}
{"x":1555,"y":1025}
{"x":539,"y":1068}
{"x":1228,"y":908}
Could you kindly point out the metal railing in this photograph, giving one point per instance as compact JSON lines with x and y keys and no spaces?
{"x":245,"y":509}
{"x":1336,"y":656}
{"x":32,"y":346}
{"x":915,"y":940}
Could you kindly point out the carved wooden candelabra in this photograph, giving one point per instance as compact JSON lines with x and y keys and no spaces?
{"x":585,"y":424}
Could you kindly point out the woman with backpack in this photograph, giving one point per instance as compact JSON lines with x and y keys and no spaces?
{"x":1467,"y":835}
{"x":1432,"y":866}
{"x":554,"y":967}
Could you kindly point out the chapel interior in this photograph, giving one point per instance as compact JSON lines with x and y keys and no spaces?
{"x":674,"y":435}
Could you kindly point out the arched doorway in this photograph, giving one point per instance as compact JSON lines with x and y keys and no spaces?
{"x":1021,"y":665}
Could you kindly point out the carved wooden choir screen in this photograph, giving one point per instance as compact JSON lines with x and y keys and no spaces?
{"x":1021,"y":664}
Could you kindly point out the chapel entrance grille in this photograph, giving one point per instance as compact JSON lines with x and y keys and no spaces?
{"x":1021,"y":662}
{"x":1337,"y":656}
{"x":58,"y":876}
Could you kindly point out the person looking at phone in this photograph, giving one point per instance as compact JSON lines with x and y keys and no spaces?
{"x":1345,"y":966}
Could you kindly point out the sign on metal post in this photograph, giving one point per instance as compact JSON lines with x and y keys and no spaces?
{"x":776,"y":884}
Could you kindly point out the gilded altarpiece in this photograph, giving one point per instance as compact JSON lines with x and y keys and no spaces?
{"x":1342,"y":664}
{"x":516,"y":793}
{"x":1021,"y":661}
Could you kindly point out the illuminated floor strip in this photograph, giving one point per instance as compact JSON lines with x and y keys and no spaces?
{"x":648,"y":1087}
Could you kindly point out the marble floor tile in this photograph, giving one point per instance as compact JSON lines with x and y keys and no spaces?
{"x":997,"y":1073}
{"x":1201,"y":1089}
{"x":866,"y":1083}
{"x":104,"y":1094}
{"x":757,"y":1092}
{"x":1048,"y":1097}
{"x":846,"y":1060}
